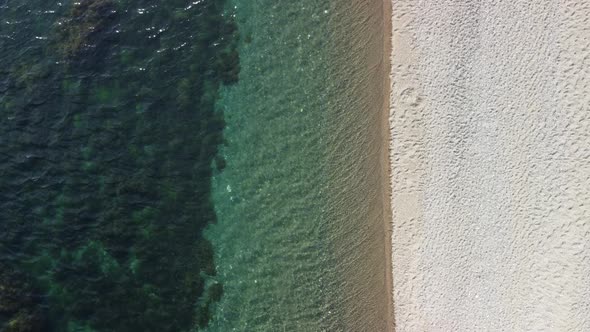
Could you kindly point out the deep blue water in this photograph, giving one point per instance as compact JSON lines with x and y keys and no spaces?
{"x":108,"y":143}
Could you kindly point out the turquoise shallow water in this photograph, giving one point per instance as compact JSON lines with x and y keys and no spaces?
{"x":191,"y":165}
{"x":299,"y":241}
{"x":271,"y":239}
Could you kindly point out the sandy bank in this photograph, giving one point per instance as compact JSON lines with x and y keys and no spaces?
{"x":359,"y":162}
{"x":490,"y":156}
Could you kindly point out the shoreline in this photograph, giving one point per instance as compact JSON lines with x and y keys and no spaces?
{"x":386,"y":157}
{"x":360,"y":148}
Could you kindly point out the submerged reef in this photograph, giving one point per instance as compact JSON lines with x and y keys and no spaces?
{"x":86,"y":27}
{"x":106,"y":167}
{"x":20,"y":310}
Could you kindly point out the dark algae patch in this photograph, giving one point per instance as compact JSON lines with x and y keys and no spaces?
{"x":109,"y":139}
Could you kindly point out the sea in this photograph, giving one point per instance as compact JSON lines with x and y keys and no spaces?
{"x":204,"y":165}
